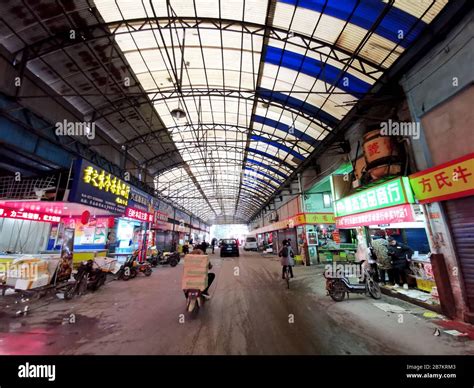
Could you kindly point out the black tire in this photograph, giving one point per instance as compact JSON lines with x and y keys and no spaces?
{"x":133,"y":273}
{"x":373,"y":288}
{"x":148,"y":272}
{"x":82,"y":287}
{"x":69,"y":292}
{"x":193,"y":313}
{"x":174,"y":263}
{"x":125,"y":276}
{"x":338,"y":291}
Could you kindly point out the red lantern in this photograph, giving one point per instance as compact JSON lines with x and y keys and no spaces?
{"x":85,"y":217}
{"x":111,"y":222}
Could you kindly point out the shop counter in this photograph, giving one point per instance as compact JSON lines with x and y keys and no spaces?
{"x":80,"y":255}
{"x":10,"y":257}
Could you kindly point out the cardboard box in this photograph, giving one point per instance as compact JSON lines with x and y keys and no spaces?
{"x":190,"y":271}
{"x":196,"y":261}
{"x":195,"y":271}
{"x":194,"y":282}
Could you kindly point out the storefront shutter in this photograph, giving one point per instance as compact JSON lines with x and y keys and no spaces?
{"x":461,"y":219}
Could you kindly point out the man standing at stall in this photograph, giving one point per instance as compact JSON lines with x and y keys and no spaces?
{"x":400,"y":254}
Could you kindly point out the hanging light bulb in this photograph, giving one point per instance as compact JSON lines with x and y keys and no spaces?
{"x":178,"y":113}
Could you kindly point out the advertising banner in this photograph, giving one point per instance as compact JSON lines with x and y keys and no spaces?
{"x":393,"y":215}
{"x":67,"y":250}
{"x":141,"y":200}
{"x":138,"y":214}
{"x":391,"y":193}
{"x":451,"y":180}
{"x":6,"y":212}
{"x":95,"y":187}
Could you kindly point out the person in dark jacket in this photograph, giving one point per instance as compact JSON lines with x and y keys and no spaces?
{"x":400,"y":254}
{"x":286,"y":258}
{"x":213,"y":244}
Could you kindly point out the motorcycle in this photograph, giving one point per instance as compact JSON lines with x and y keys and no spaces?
{"x":127,"y":270}
{"x":194,"y":299}
{"x":144,"y":268}
{"x":158,"y":257}
{"x":338,"y":286}
{"x":86,"y":278}
{"x":132,"y":267}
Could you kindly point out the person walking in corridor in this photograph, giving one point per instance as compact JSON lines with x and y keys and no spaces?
{"x":286,"y":259}
{"x":213,"y":244}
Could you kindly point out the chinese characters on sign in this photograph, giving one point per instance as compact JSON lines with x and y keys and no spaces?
{"x":28,"y":215}
{"x":451,"y":180}
{"x":108,"y":183}
{"x":400,"y":213}
{"x":138,"y":215}
{"x":92,"y":186}
{"x":391,"y":193}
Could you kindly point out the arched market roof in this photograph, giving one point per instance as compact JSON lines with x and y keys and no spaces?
{"x":262,"y":83}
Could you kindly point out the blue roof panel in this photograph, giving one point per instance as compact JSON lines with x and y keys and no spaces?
{"x":365,"y":16}
{"x":317,"y":69}
{"x":299,"y":105}
{"x":285,"y":128}
{"x":278,"y":145}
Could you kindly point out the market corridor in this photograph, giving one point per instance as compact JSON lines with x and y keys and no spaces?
{"x":251,"y":312}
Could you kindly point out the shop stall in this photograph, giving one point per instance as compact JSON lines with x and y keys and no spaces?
{"x":182,"y":225}
{"x":37,"y":227}
{"x":387,"y":210}
{"x":106,"y":195}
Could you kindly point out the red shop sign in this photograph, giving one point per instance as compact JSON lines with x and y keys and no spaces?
{"x":137,"y":214}
{"x":28,"y":215}
{"x":390,"y":215}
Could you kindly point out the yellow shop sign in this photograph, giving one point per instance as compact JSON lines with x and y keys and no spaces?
{"x":450,"y":180}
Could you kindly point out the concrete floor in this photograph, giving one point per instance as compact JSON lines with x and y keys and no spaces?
{"x":251,"y":312}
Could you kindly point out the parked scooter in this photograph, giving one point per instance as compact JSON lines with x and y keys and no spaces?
{"x":132,"y":267}
{"x":86,"y":278}
{"x":144,"y":268}
{"x":158,"y":257}
{"x":127,"y":271}
{"x":338,"y":286}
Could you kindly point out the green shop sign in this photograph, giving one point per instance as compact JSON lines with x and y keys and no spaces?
{"x":391,"y":193}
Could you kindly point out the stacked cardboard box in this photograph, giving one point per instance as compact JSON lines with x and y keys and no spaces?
{"x":195,"y":272}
